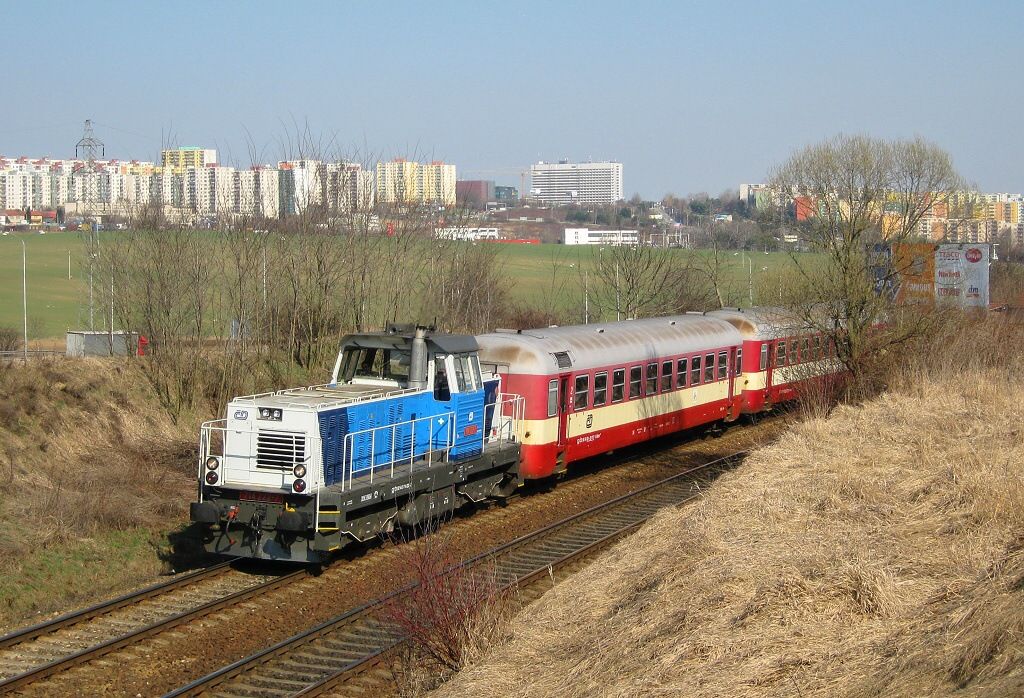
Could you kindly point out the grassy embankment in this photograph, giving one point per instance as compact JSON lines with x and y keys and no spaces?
{"x":879,"y":551}
{"x":94,"y":474}
{"x":534,"y":272}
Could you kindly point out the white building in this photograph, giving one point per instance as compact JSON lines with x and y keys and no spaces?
{"x":586,"y":236}
{"x":576,"y":183}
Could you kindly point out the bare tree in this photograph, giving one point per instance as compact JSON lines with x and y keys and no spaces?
{"x":865,"y":194}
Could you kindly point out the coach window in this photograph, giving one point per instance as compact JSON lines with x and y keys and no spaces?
{"x":764,"y":357}
{"x":793,"y":346}
{"x":723,"y":365}
{"x":652,"y":379}
{"x":600,"y":388}
{"x":666,"y":376}
{"x":817,"y":347}
{"x":695,"y":371}
{"x":552,"y":398}
{"x":681,"y":374}
{"x":709,"y":368}
{"x":579,"y":401}
{"x":635,"y":379}
{"x":805,"y":349}
{"x":618,"y":384}
{"x":780,"y":354}
{"x":739,"y":362}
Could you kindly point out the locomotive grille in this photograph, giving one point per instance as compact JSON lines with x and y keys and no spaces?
{"x":280,"y":450}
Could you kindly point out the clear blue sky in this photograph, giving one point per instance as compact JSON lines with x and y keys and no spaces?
{"x":689,"y":97}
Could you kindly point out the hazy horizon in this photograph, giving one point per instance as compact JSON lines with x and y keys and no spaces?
{"x":688,"y":98}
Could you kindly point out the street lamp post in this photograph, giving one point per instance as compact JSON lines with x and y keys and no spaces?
{"x":24,"y":298}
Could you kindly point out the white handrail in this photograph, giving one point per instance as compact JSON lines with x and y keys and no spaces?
{"x":348,"y":449}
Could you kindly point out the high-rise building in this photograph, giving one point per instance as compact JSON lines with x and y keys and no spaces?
{"x":576,"y":183}
{"x":438,"y":183}
{"x":405,"y":182}
{"x":399,"y":182}
{"x":180,"y":159}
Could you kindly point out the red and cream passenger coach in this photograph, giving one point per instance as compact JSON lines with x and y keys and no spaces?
{"x":591,"y":389}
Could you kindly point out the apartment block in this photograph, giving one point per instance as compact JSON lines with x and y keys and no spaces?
{"x":180,"y":159}
{"x":576,"y":183}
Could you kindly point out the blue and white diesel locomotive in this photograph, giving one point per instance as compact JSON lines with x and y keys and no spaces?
{"x":408,"y":429}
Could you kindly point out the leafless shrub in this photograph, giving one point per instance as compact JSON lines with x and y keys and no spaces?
{"x":10,"y":339}
{"x":450,"y":616}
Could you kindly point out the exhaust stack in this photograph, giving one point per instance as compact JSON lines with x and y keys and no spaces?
{"x":418,"y":360}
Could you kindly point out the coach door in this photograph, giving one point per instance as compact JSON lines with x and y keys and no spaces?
{"x":733,"y":373}
{"x":563,"y":410}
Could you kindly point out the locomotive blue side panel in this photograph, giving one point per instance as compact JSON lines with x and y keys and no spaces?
{"x":381,"y":446}
{"x":469,"y":424}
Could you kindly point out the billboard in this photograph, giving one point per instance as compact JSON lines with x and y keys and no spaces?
{"x":915,"y":265}
{"x":961,"y":275}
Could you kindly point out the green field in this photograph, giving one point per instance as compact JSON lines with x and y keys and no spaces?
{"x":536,"y":272}
{"x":55,"y":303}
{"x":542,"y":270}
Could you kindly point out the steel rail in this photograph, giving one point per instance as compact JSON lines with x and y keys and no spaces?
{"x":356,"y":643}
{"x":104,"y":607}
{"x":162,"y":625}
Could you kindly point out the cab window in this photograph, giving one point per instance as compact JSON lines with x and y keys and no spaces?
{"x":552,"y":398}
{"x":764,"y":357}
{"x":442,"y":391}
{"x":739,"y":362}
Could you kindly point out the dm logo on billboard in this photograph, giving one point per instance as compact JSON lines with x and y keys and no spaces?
{"x":973,"y":255}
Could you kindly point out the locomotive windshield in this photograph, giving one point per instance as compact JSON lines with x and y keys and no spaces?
{"x":375,"y":364}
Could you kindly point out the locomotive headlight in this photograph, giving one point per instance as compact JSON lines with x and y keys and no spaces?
{"x":211,"y":478}
{"x":265,"y":413}
{"x":271,"y":413}
{"x":212,"y":463}
{"x":299,"y":470}
{"x":299,"y":485}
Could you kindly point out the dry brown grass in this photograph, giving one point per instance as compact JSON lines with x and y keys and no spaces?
{"x":879,"y":551}
{"x":85,"y":450}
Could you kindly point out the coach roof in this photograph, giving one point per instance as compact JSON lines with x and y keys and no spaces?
{"x":606,"y":344}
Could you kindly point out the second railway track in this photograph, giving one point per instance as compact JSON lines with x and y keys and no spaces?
{"x":31,"y":654}
{"x":350,"y":654}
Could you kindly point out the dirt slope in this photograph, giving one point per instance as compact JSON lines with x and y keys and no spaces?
{"x":879,"y":552}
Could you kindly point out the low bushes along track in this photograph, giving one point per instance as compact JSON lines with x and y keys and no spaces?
{"x":33,"y":653}
{"x":351,"y":653}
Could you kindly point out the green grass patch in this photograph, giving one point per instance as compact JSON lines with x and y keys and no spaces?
{"x":66,"y":577}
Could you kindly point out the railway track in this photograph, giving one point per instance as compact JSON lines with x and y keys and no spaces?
{"x":351,"y":654}
{"x":34,"y":653}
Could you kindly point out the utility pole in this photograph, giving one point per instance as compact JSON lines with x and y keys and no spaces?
{"x":586,"y":299}
{"x":24,"y":297}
